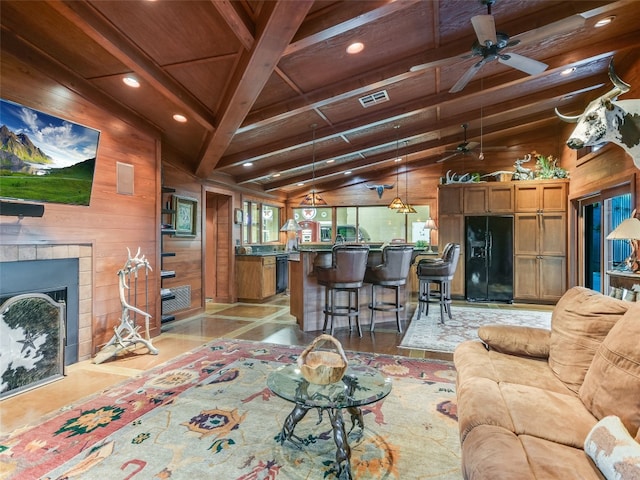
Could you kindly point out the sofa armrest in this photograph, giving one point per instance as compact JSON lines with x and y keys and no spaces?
{"x":516,"y":340}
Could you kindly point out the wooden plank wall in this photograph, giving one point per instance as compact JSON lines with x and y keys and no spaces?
{"x":112,"y":222}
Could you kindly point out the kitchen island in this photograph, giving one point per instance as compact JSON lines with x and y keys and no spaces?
{"x":306,"y":300}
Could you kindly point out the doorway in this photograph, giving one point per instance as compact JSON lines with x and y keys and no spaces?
{"x":219,"y":279}
{"x":599,"y":215}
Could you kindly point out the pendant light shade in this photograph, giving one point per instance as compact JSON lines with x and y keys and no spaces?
{"x":397,"y":203}
{"x":313,"y":199}
{"x":291,"y":226}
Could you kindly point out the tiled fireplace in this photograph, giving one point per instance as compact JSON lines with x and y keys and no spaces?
{"x":80,"y":257}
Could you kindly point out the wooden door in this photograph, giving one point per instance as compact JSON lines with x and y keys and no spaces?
{"x":553,"y":275}
{"x":450,"y":199}
{"x":526,"y":234}
{"x":553,"y":234}
{"x":268,"y":276}
{"x":526,"y":198}
{"x":525,"y":277}
{"x":501,"y":199}
{"x":553,"y":197}
{"x":475,"y":199}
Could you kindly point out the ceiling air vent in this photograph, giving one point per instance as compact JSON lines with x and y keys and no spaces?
{"x":375,"y":98}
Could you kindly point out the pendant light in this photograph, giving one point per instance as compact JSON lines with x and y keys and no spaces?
{"x":406,"y":208}
{"x":397,"y":202}
{"x":313,"y":199}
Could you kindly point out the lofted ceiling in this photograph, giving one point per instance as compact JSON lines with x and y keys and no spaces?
{"x":252,"y":77}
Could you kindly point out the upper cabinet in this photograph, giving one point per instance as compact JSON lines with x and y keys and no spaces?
{"x":485,"y":198}
{"x":541,"y":196}
{"x":450,"y":199}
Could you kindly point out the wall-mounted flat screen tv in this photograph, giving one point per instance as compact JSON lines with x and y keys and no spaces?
{"x":44,"y":158}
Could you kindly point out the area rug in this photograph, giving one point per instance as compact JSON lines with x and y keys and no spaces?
{"x":428,"y":333}
{"x":209,"y":414}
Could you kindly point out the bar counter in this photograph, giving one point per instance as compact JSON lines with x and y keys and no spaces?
{"x":306,"y":296}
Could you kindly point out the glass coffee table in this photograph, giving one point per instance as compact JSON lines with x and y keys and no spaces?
{"x":360,"y":385}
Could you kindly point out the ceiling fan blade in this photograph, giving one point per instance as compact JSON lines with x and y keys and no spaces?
{"x":566,"y":25}
{"x":485,"y":28}
{"x":472,"y":145}
{"x":468,"y":75}
{"x":524,"y":64}
{"x":447,"y":157}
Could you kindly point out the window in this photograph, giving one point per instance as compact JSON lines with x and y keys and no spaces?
{"x":376,"y":224}
{"x":261,"y":223}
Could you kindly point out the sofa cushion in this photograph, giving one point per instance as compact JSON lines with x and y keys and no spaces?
{"x":613,"y":450}
{"x":612,"y":384}
{"x":580,"y":321}
{"x":490,"y":452}
{"x":557,"y":417}
{"x":552,"y":460}
{"x":516,"y":340}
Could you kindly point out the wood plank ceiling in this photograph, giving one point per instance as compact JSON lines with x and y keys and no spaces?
{"x":253,"y":76}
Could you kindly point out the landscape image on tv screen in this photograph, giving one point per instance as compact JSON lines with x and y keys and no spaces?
{"x":44,"y":158}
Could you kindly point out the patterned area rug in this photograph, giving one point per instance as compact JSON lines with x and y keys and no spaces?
{"x":428,"y":333}
{"x":209,"y":414}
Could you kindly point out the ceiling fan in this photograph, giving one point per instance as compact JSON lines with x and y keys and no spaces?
{"x":490,"y":45}
{"x":465,"y":148}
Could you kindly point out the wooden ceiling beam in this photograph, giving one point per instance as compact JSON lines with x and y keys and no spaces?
{"x":96,"y":27}
{"x":314,"y":31}
{"x":237,"y":21}
{"x":395,"y":115}
{"x":278,"y":24}
{"x":530,"y":103}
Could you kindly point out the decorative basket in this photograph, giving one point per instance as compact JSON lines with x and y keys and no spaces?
{"x":320,"y":366}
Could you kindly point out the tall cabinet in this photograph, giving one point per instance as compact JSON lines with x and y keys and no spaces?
{"x":167,"y":228}
{"x":539,"y":208}
{"x":540,"y":249}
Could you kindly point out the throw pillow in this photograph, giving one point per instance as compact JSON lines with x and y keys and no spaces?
{"x":516,"y":340}
{"x":579,"y":323}
{"x":612,"y":384}
{"x":613,"y":450}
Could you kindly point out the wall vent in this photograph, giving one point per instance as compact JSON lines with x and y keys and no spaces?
{"x":181,"y":301}
{"x":375,"y":98}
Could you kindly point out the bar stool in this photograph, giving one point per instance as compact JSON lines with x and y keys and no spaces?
{"x":346,"y":274}
{"x":392,"y":274}
{"x":439,"y":272}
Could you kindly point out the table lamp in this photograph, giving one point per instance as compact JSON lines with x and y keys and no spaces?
{"x":291,"y":227}
{"x":629,"y":229}
{"x":430,"y":225}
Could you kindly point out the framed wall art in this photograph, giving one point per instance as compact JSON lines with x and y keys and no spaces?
{"x":237,"y":217}
{"x":186,"y":215}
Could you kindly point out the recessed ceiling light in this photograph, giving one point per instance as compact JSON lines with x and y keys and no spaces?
{"x":247,"y":164}
{"x":330,"y":160}
{"x":348,"y":172}
{"x":355,"y":47}
{"x":398,"y":160}
{"x":276,"y":175}
{"x":568,"y":71}
{"x":131,"y":82}
{"x":604,"y":21}
{"x":301,"y":184}
{"x":179,"y":118}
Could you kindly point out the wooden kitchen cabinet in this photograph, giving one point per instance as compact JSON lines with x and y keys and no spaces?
{"x":540,"y":244}
{"x":541,"y":196}
{"x":540,"y":235}
{"x":255,"y":277}
{"x":450,"y":199}
{"x":485,"y":198}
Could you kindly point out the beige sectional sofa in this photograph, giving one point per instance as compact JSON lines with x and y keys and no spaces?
{"x":564,"y":403}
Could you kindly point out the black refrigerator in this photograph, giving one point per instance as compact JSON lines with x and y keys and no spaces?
{"x":489,"y":258}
